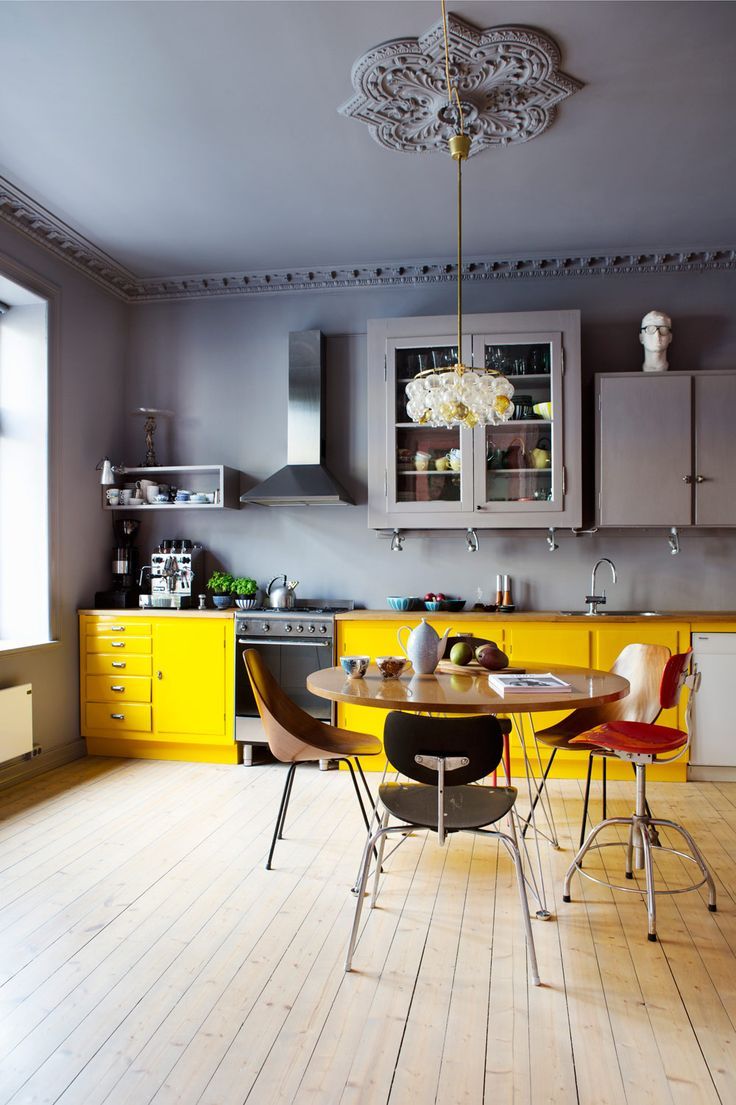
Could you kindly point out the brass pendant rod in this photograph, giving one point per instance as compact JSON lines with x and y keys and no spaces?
{"x":459,"y":260}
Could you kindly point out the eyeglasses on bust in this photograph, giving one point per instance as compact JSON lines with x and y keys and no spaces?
{"x":652,"y":329}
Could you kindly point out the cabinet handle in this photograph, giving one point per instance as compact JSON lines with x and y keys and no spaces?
{"x":118,"y":688}
{"x":687,"y":479}
{"x":117,"y":644}
{"x":117,"y":628}
{"x":118,"y":664}
{"x":700,"y":479}
{"x":159,"y":675}
{"x":118,"y":717}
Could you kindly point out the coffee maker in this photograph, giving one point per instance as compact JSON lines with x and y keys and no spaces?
{"x":174,"y":568}
{"x":123,"y":592}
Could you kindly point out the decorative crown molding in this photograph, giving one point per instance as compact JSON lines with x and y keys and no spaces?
{"x":35,"y":222}
{"x":508,"y":79}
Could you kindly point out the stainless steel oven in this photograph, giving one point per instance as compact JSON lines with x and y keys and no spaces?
{"x":293,"y":643}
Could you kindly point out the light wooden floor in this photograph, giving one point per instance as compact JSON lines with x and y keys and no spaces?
{"x":147,"y":956}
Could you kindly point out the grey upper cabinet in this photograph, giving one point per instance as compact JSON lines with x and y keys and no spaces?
{"x":522,"y":474}
{"x":661,"y":445}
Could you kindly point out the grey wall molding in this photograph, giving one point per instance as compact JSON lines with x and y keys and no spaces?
{"x":508,"y":79}
{"x":41,"y":226}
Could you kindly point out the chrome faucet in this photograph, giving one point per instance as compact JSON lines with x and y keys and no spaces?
{"x":593,"y":600}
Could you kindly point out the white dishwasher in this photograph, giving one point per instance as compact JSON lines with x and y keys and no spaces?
{"x":713,"y":747}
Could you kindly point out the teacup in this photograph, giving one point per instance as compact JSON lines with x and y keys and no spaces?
{"x":391,"y":667}
{"x":442,"y":464}
{"x":421,"y":461}
{"x":182,"y":496}
{"x":113,"y":496}
{"x":454,"y":457}
{"x":125,"y":496}
{"x":354,"y":667}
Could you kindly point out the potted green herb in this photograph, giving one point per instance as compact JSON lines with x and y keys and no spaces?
{"x":221,"y":586}
{"x":245,"y":591}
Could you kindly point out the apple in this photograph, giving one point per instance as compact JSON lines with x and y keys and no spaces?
{"x":439,"y":597}
{"x":430,"y":596}
{"x":491,"y":658}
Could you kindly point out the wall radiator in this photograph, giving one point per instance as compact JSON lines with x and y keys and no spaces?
{"x":16,"y":722}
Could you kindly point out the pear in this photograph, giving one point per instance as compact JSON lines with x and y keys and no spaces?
{"x":461,"y":653}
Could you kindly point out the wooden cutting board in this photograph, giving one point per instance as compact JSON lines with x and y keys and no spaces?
{"x":446,"y":667}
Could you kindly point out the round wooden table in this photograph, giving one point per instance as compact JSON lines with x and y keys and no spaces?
{"x":470,"y":693}
{"x":466,"y":693}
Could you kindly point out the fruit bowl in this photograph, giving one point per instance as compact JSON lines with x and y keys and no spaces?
{"x":433,"y":605}
{"x":455,"y":605}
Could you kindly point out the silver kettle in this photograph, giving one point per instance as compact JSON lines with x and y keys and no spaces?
{"x":282,"y":597}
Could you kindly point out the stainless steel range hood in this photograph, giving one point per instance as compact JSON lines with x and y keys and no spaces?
{"x":305,"y":480}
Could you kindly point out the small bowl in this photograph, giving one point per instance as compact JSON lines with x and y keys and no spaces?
{"x":434,"y":605}
{"x":134,"y":502}
{"x":391,"y":667}
{"x":543,"y":410}
{"x":222,"y":601}
{"x":401,"y":602}
{"x":198,"y":498}
{"x":355,"y":667}
{"x":161,"y":498}
{"x":454,"y":605}
{"x":246,"y":603}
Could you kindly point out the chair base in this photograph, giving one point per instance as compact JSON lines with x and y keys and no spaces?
{"x":642,"y":831}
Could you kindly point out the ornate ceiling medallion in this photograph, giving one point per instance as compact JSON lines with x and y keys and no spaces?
{"x":508,"y":79}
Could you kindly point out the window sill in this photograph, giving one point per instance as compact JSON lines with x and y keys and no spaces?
{"x":25,"y":646}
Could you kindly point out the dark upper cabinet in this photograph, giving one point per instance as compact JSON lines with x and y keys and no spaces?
{"x":661,"y":448}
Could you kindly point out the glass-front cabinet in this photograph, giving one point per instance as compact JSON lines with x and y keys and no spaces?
{"x":521,"y":473}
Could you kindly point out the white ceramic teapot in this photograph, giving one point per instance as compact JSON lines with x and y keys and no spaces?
{"x":424,"y":647}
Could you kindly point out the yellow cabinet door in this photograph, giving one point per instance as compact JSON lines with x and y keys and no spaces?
{"x":551,"y":644}
{"x":191,"y":680}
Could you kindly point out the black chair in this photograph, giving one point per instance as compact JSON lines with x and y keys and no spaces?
{"x":444,"y":757}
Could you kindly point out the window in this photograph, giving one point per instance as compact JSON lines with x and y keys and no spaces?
{"x":25,"y":542}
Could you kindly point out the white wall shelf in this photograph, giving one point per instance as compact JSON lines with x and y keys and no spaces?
{"x":217,"y":478}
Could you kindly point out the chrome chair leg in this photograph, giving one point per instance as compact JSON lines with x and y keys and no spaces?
{"x":362,"y":882}
{"x":379,"y":860}
{"x":576,"y":863}
{"x":513,"y":847}
{"x":640,"y":829}
{"x":697,"y":856}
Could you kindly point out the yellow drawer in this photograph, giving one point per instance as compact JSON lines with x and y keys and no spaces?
{"x":140,"y":645}
{"x":133,"y":627}
{"x":127,"y":717}
{"x":103,"y":663}
{"x":111,"y":688}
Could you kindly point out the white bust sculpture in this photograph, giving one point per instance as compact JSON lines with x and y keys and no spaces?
{"x":655,"y":335}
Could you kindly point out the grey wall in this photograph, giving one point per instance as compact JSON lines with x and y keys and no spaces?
{"x":89,"y":387}
{"x":221,"y":366}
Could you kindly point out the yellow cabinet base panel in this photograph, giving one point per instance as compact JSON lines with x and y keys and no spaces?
{"x":158,"y":750}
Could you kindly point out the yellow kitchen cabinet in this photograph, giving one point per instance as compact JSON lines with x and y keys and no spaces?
{"x":160,"y":688}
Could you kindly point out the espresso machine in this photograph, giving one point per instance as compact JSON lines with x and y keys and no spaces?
{"x":123,"y":591}
{"x":174,"y":568}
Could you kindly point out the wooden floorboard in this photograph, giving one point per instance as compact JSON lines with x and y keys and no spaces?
{"x":146,"y":956}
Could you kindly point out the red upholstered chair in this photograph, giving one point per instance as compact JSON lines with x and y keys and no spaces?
{"x":641,"y":743}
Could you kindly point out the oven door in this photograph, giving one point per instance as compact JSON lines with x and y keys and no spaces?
{"x":290,"y":662}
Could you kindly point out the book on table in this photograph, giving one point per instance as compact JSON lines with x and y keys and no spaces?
{"x":542,"y":683}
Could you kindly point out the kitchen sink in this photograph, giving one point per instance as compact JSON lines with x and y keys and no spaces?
{"x":612,"y":614}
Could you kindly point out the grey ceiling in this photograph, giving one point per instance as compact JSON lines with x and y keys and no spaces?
{"x":204,"y":136}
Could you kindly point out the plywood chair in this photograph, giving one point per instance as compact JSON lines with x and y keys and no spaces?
{"x":443,"y":757}
{"x":643,"y":666}
{"x":642,"y":744}
{"x":295,"y":737}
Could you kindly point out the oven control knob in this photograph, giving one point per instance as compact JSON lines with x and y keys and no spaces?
{"x":300,"y":628}
{"x":323,"y":629}
{"x":310,"y":628}
{"x":265,"y":627}
{"x":287,"y":627}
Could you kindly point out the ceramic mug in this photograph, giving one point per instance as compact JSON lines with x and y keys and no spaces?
{"x":125,"y":496}
{"x":540,"y":458}
{"x":113,"y":496}
{"x":421,"y":461}
{"x":152,"y":492}
{"x":442,"y":464}
{"x":354,"y":667}
{"x":391,"y":667}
